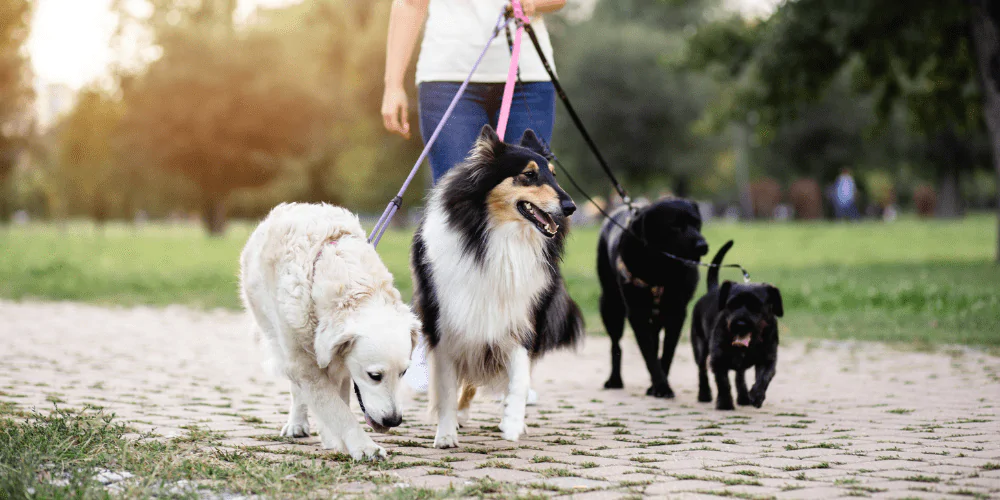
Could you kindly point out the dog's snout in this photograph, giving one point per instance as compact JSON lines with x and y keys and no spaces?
{"x":568,"y":207}
{"x":393,"y":420}
{"x":702,"y":247}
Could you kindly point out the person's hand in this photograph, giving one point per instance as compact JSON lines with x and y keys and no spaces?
{"x":396,"y":111}
{"x":528,"y":6}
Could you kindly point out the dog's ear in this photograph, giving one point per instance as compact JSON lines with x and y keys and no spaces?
{"x":531,"y":141}
{"x":488,"y":137}
{"x":695,"y":212}
{"x":724,"y":293}
{"x":485,"y":148}
{"x":332,"y":343}
{"x":774,"y":298}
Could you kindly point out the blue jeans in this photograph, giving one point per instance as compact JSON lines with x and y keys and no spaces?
{"x":533,"y":106}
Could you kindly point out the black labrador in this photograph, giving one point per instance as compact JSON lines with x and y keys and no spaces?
{"x":652,"y":290}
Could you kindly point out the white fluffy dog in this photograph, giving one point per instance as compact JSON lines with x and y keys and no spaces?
{"x":327,"y":313}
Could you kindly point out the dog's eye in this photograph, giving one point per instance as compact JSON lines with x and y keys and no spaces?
{"x":402,"y":373}
{"x":375,"y":376}
{"x":530,"y":175}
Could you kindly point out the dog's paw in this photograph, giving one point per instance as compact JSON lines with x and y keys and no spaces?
{"x":513,"y":428}
{"x":446,"y":438}
{"x":332,"y":443}
{"x":756,"y":399}
{"x":660,"y":391}
{"x":367,"y":451}
{"x":725,"y":405}
{"x":614,"y":383}
{"x":705,"y":396}
{"x":743,"y":399}
{"x":295,"y":430}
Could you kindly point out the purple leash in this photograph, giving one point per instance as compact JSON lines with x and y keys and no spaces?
{"x":390,"y":210}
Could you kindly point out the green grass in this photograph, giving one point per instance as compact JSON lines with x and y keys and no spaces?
{"x":59,"y":454}
{"x":916,"y":282}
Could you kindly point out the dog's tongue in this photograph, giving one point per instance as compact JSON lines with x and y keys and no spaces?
{"x":542,"y":220}
{"x":742,"y":340}
{"x":376,"y":427}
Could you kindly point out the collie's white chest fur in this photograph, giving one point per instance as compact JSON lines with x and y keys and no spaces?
{"x":489,"y":303}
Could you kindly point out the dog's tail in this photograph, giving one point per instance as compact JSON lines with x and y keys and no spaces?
{"x":713,"y":272}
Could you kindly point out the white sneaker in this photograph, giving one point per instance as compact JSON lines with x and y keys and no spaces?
{"x":417,"y":375}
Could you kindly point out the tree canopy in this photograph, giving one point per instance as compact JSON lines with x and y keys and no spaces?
{"x":924,"y":56}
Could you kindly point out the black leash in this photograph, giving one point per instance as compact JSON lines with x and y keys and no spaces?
{"x":593,"y":147}
{"x":576,"y":118}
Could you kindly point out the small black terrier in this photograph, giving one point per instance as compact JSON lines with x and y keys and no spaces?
{"x":735,"y":327}
{"x":649,"y":288}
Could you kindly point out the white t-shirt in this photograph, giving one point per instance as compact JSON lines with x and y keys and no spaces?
{"x":455,"y":34}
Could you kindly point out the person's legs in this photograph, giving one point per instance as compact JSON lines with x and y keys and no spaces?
{"x":462,"y":128}
{"x":533,"y":106}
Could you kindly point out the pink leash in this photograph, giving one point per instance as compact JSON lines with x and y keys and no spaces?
{"x":515,"y":56}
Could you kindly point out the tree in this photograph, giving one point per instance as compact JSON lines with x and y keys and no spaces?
{"x":223,"y":108}
{"x":938,"y":58}
{"x":15,"y":90}
{"x":640,"y":109}
{"x":353,"y":161}
{"x":85,"y":152}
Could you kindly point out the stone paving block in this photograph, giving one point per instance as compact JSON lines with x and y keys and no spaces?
{"x":812,"y":493}
{"x":506,"y":475}
{"x":601,"y":495}
{"x":673,"y":486}
{"x":579,"y":483}
{"x":436,"y":482}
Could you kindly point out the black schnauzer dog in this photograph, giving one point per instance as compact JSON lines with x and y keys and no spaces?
{"x":651,"y":289}
{"x":735,"y":327}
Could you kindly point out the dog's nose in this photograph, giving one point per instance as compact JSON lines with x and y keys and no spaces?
{"x":741,"y":324}
{"x":701,"y":248}
{"x":568,"y":207}
{"x":393,"y":420}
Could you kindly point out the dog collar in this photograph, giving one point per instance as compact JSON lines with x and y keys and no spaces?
{"x":656,"y":291}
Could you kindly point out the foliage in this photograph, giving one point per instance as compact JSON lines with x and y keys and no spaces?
{"x":287,"y":102}
{"x":86,"y":154}
{"x":915,"y":52}
{"x":354,"y":162}
{"x":639,"y":109}
{"x":223,"y":111}
{"x":15,"y":89}
{"x":838,"y":280}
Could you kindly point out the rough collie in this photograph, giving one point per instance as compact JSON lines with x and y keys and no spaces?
{"x":487,"y":285}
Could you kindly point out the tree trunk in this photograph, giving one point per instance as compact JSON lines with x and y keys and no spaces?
{"x":742,"y":146}
{"x":949,"y":199}
{"x":213,"y":213}
{"x":6,"y":193}
{"x":316,"y":173}
{"x":986,"y":40}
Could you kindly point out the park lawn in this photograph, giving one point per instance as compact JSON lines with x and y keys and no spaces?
{"x":912,"y":281}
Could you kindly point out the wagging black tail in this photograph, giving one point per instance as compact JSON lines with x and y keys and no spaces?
{"x":713,"y":272}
